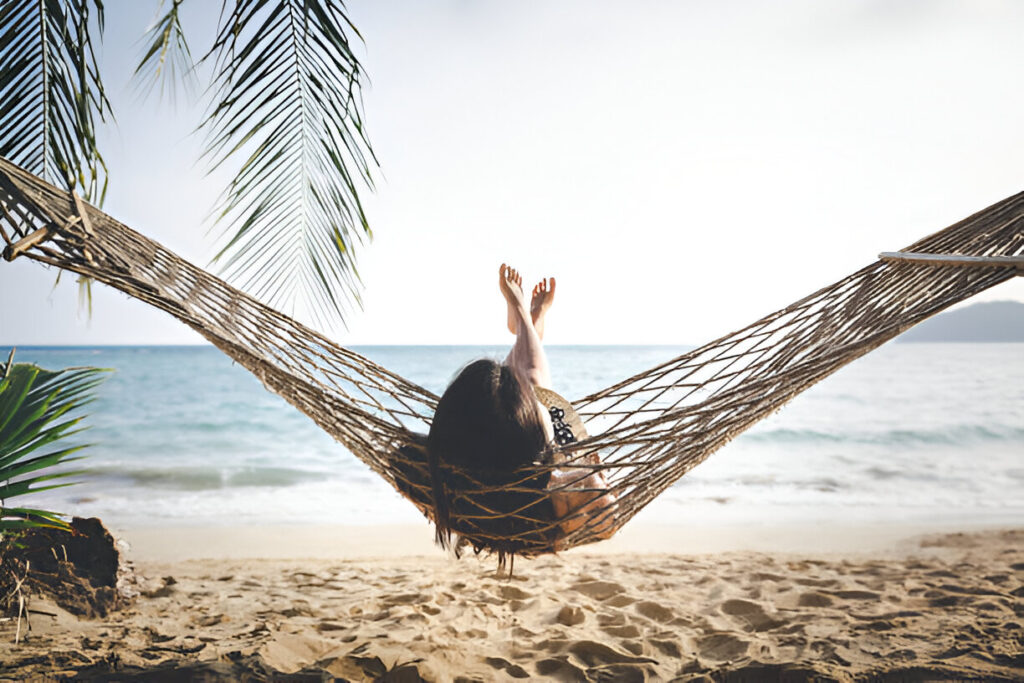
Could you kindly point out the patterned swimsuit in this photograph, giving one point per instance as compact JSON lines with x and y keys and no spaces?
{"x":567,"y":423}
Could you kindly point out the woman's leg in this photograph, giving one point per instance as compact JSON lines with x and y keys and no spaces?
{"x":580,"y":496}
{"x":527,"y":354}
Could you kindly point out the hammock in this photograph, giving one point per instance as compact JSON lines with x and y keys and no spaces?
{"x":650,"y":429}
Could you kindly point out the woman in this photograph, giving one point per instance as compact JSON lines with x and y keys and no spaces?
{"x":495,"y":419}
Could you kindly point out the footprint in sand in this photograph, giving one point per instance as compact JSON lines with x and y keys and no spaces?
{"x":405,"y":599}
{"x":820,"y":583}
{"x":940,"y":599}
{"x":627,"y":631}
{"x":560,"y":670}
{"x":324,"y":626}
{"x":508,"y":667}
{"x":551,"y":645}
{"x":654,"y":611}
{"x":751,"y":613}
{"x":943,"y":573}
{"x":570,"y":616}
{"x":814,"y":599}
{"x":666,"y":647}
{"x":598,"y":654}
{"x":513,"y":593}
{"x":520,"y":605}
{"x":611,"y":619}
{"x":722,"y":647}
{"x":598,"y":590}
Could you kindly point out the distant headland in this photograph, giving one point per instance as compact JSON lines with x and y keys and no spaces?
{"x":991,"y":321}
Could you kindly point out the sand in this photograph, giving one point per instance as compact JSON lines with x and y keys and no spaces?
{"x":928,"y":607}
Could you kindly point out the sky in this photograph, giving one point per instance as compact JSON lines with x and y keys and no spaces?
{"x":682,"y":168}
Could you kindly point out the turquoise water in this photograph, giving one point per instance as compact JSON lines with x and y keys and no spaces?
{"x":911,"y":432}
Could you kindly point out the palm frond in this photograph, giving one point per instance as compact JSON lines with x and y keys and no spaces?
{"x":37,"y":409}
{"x":167,"y":60}
{"x":287,"y":103}
{"x":51,"y":93}
{"x":27,"y":518}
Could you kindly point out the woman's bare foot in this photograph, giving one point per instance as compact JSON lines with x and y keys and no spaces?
{"x":511,"y":284}
{"x":527,"y":354}
{"x":543,"y":297}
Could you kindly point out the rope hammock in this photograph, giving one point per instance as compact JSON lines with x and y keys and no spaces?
{"x":649,"y":429}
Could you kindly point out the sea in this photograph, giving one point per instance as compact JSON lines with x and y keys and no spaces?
{"x":912,"y":432}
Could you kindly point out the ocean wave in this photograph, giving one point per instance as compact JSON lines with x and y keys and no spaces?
{"x":197,"y":478}
{"x":954,"y":435}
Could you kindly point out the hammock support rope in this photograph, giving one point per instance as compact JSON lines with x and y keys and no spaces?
{"x":649,"y":429}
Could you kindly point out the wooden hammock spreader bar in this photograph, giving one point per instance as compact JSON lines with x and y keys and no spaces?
{"x":16,"y":249}
{"x":955,"y":260}
{"x":13,"y":251}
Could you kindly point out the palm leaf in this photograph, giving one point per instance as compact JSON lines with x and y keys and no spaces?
{"x":37,"y":409}
{"x":287,"y":105}
{"x":51,"y":93}
{"x":167,"y":60}
{"x":27,"y":518}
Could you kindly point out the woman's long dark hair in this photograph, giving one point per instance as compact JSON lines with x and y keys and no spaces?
{"x":486,"y":426}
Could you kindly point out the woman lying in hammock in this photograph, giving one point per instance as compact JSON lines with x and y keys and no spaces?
{"x":496,"y":418}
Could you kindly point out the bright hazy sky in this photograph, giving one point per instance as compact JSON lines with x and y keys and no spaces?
{"x":682,"y":167}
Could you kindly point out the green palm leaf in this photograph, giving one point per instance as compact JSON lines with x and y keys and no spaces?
{"x":167,"y":60}
{"x":51,"y":93}
{"x":287,"y":104}
{"x":38,"y":408}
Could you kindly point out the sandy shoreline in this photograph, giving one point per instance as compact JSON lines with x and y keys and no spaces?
{"x":358,"y":542}
{"x":902,"y":607}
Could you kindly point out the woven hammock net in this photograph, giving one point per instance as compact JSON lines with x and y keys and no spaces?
{"x":649,"y":429}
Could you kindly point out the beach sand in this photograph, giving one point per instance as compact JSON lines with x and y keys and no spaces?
{"x":366,"y":604}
